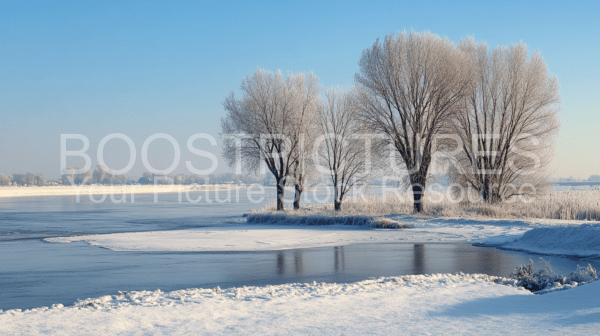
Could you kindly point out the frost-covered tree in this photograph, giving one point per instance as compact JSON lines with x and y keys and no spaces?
{"x":147,"y":178}
{"x":180,"y":178}
{"x":29,"y":179}
{"x":212,"y":179}
{"x":71,"y":178}
{"x":265,"y":124}
{"x":39,"y":180}
{"x":304,"y":131}
{"x":410,"y":84}
{"x":339,"y":149}
{"x":507,"y":123}
{"x":303,"y":169}
{"x":99,"y":174}
{"x":105,"y":175}
{"x":4,"y":180}
{"x":83,"y":178}
{"x":19,"y":179}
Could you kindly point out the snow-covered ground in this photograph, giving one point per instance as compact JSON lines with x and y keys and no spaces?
{"x":255,"y":237}
{"x":575,"y":240}
{"x":116,"y":190}
{"x":434,"y":304}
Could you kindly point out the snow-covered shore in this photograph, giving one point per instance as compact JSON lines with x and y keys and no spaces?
{"x":116,"y":190}
{"x":418,"y":304}
{"x":261,"y":237}
{"x":578,"y":238}
{"x":575,"y":240}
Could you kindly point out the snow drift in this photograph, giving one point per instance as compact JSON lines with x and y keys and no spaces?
{"x":578,"y":240}
{"x":422,"y":304}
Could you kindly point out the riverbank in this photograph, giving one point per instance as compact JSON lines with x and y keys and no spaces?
{"x":581,"y":205}
{"x":422,"y":304}
{"x":106,"y":190}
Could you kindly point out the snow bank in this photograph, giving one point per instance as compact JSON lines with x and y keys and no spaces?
{"x":101,"y":190}
{"x":269,"y":237}
{"x":265,"y":293}
{"x":420,"y":304}
{"x":576,"y":240}
{"x":235,"y":238}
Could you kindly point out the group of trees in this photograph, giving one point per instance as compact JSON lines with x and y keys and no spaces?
{"x":224,"y":178}
{"x":100,"y":175}
{"x":272,"y":123}
{"x":418,"y":98}
{"x":592,"y":178}
{"x":285,"y":125}
{"x":103,"y":176}
{"x":28,"y":179}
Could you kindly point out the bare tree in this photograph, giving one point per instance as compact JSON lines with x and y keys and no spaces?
{"x":304,"y":131}
{"x":507,"y":123}
{"x":99,"y":174}
{"x":303,"y":170}
{"x":339,"y":148}
{"x":263,"y":125}
{"x":71,"y":178}
{"x":410,"y":86}
{"x":104,"y":175}
{"x":4,"y":180}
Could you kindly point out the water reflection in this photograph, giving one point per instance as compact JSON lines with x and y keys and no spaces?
{"x":338,"y":259}
{"x":346,"y":263}
{"x":485,"y":261}
{"x":280,"y":263}
{"x":298,"y":262}
{"x":418,"y":259}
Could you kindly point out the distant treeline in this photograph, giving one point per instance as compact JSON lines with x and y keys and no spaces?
{"x":98,"y":176}
{"x":22,"y":179}
{"x":104,"y":176}
{"x":148,"y":178}
{"x":592,"y":178}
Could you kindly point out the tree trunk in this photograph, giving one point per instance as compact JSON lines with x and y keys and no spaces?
{"x":299,"y":190}
{"x":337,"y":197}
{"x":337,"y":205}
{"x":490,"y":192}
{"x":485,"y":191}
{"x":417,"y":181}
{"x":280,"y":194}
{"x":417,"y":196}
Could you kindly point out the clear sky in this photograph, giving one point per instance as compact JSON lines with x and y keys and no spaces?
{"x":146,"y":67}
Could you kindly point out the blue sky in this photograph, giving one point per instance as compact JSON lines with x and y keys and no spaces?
{"x":140,"y":68}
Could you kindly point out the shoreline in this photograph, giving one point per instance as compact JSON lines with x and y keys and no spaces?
{"x":9,"y":192}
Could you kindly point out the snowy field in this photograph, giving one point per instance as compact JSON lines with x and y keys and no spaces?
{"x":434,"y":304}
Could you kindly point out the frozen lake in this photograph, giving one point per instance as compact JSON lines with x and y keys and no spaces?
{"x":36,"y":273}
